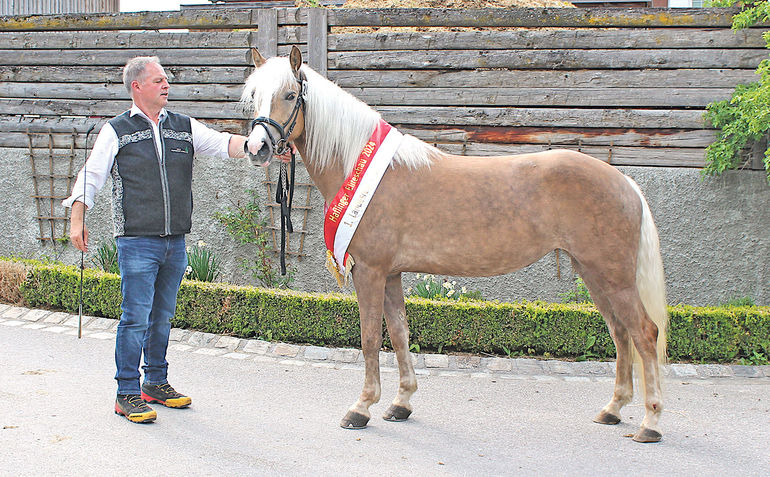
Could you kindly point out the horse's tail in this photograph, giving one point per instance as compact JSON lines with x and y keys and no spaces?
{"x":650,"y":279}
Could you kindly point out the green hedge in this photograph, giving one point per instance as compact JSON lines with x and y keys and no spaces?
{"x":707,"y":334}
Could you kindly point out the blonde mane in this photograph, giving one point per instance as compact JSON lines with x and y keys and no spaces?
{"x":337,"y":124}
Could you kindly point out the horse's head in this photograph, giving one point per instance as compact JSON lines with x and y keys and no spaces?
{"x":276,"y":92}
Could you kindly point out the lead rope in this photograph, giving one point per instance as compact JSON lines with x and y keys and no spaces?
{"x":83,"y":234}
{"x":284,"y":194}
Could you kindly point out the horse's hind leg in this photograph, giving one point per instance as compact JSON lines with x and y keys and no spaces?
{"x":628,"y":308}
{"x":370,"y":289}
{"x":624,"y":386}
{"x":398,"y":328}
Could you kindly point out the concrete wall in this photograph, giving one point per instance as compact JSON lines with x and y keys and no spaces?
{"x":714,"y":233}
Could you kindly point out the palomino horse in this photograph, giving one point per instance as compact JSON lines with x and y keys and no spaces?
{"x":496,"y":215}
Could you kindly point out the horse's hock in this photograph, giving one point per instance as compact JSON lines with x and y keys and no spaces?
{"x":628,"y":86}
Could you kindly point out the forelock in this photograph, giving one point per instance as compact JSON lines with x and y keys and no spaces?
{"x":273,"y":76}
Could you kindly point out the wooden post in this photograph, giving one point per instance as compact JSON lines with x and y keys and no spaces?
{"x":317,"y":27}
{"x":267,"y":34}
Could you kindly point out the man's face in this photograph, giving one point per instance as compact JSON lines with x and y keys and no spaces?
{"x":153,"y":89}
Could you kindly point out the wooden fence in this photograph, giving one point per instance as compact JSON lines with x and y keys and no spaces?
{"x":626,"y":85}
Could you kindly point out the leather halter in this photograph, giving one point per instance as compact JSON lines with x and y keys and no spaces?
{"x":281,"y":145}
{"x":284,"y":190}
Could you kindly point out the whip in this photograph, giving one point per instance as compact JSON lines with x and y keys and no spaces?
{"x":83,"y":234}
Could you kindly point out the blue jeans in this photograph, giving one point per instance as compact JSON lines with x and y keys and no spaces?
{"x":151,"y":270}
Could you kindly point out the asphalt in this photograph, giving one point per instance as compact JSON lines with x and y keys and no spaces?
{"x":262,"y":408}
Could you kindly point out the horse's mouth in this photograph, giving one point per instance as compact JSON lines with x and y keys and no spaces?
{"x":262,"y":157}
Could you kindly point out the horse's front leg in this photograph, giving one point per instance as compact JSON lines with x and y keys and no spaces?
{"x":370,"y":289}
{"x":398,"y":328}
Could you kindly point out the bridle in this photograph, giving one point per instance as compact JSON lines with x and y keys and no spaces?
{"x":281,"y":145}
{"x":284,"y":190}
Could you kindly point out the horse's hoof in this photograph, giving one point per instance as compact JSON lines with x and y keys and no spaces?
{"x":647,"y":435}
{"x":605,"y":417}
{"x":354,"y":420}
{"x":397,"y":413}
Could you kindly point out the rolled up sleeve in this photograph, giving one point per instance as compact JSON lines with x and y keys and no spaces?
{"x":208,"y":142}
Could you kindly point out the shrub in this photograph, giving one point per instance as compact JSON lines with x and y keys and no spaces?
{"x":12,"y":275}
{"x":704,"y":334}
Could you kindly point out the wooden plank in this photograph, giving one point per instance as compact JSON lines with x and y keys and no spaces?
{"x":617,"y":156}
{"x":548,"y":38}
{"x":66,"y":125}
{"x":647,"y":78}
{"x":429,"y":115}
{"x":121,"y":40}
{"x":536,"y":17}
{"x":267,"y":36}
{"x":317,"y":34}
{"x":548,"y":59}
{"x":575,"y":97}
{"x":227,"y":18}
{"x":61,"y":141}
{"x":109,"y":108}
{"x":179,"y":56}
{"x":545,"y":117}
{"x":113,"y":74}
{"x":565,"y":136}
{"x":103,"y":91}
{"x":222,"y":18}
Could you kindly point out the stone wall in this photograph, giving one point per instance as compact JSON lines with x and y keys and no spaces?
{"x":713,"y":233}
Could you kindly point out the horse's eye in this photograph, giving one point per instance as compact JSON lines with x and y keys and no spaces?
{"x":290,"y":96}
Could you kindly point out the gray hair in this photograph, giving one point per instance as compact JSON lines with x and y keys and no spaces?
{"x":134,"y":69}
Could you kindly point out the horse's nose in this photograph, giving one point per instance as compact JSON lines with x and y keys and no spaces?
{"x":258,"y":151}
{"x":264,"y":152}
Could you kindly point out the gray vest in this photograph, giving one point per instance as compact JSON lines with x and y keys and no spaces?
{"x":151,"y":189}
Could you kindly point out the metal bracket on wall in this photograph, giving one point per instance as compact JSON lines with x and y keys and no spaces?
{"x":52,"y":174}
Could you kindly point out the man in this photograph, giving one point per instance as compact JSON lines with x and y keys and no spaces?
{"x":148,"y":152}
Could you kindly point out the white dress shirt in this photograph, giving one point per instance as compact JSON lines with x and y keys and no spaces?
{"x":206,"y":142}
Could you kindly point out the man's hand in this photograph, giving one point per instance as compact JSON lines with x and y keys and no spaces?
{"x":286,"y":157}
{"x":78,"y":230}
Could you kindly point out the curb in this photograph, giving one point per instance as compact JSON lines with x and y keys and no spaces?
{"x":346,"y":358}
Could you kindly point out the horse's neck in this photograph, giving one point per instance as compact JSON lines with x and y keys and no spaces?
{"x":329,"y":180}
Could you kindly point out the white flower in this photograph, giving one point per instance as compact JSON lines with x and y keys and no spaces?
{"x":201,"y":244}
{"x":464,"y":290}
{"x":418,"y":276}
{"x":447,"y":285}
{"x":450,"y":293}
{"x":454,"y":283}
{"x":188,"y":249}
{"x":188,"y":269}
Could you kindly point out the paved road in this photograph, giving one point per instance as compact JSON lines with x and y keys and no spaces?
{"x":274,"y":411}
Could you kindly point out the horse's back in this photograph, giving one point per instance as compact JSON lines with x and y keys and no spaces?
{"x":499,"y":213}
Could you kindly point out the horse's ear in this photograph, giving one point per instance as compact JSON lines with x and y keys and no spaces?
{"x":257,"y":57}
{"x":295,"y":59}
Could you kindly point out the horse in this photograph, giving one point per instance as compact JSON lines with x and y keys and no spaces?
{"x":497,"y":215}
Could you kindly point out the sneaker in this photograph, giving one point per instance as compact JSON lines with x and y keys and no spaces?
{"x":164,"y":394}
{"x":134,"y":408}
